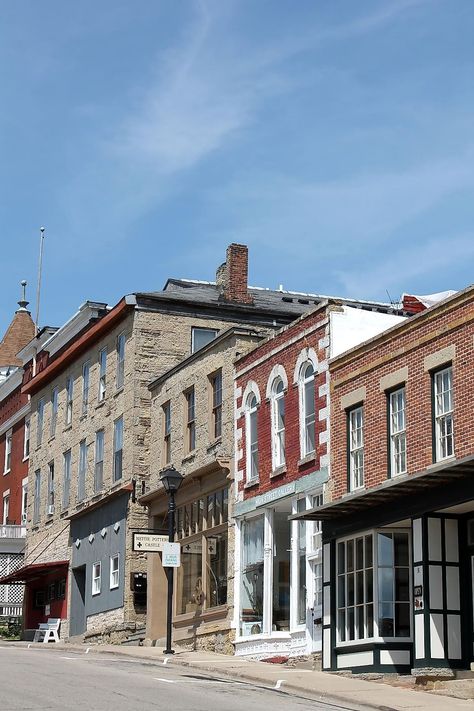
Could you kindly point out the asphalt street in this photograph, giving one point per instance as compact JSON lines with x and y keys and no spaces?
{"x":38,"y":680}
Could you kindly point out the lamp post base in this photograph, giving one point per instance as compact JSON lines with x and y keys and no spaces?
{"x":168,"y":651}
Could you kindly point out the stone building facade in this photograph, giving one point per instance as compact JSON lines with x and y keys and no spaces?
{"x":91,"y":413}
{"x":192,"y":428}
{"x":398,"y":537}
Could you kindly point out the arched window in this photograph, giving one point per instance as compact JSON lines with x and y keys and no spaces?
{"x":307,"y":410}
{"x":251,"y":437}
{"x":278,"y":422}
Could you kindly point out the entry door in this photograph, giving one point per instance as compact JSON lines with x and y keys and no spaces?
{"x":316,"y":610}
{"x":78,"y":602}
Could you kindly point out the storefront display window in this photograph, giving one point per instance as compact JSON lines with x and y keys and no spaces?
{"x":360,"y":593}
{"x":281,"y":573}
{"x":301,"y":562}
{"x":201,"y":527}
{"x":252,"y":577}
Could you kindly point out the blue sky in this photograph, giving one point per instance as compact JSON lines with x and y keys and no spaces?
{"x":333,"y":137}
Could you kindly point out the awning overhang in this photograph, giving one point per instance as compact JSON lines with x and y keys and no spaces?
{"x":33,"y":571}
{"x":404,"y":496}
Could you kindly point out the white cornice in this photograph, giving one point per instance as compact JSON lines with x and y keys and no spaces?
{"x":14,"y":419}
{"x":11,"y":383}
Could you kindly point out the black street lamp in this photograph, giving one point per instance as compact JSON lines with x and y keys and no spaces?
{"x":171,"y":480}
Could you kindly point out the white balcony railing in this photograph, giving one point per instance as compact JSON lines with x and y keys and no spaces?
{"x":10,"y":531}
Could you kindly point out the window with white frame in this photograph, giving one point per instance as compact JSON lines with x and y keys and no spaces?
{"x":8,"y":451}
{"x":301,"y":563}
{"x":39,"y":421}
{"x":251,"y":437}
{"x":26,"y":439}
{"x":54,"y":411}
{"x":69,"y":398}
{"x":114,"y":571}
{"x":81,"y":474}
{"x":118,"y":448}
{"x":86,"y":368}
{"x":251,"y":594}
{"x":6,"y":507}
{"x":96,"y":577}
{"x":373,"y":586}
{"x":99,"y":461}
{"x":102,"y":374}
{"x":397,"y":421}
{"x":50,"y":498}
{"x":37,"y":501}
{"x":24,"y":500}
{"x":120,"y":375}
{"x":317,"y":528}
{"x":307,"y":410}
{"x":443,"y":413}
{"x":356,"y":448}
{"x":278,"y":422}
{"x":66,"y":478}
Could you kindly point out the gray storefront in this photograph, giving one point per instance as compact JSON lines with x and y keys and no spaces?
{"x":98,"y":559}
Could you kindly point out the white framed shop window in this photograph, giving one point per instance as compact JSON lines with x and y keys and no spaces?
{"x":373,"y":587}
{"x":278,"y":422}
{"x":277,"y":568}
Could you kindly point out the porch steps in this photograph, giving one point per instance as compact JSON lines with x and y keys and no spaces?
{"x":135,"y":639}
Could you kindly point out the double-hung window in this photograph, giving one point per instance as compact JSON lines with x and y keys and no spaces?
{"x":85,"y":386}
{"x":307,"y":410}
{"x":50,"y":499}
{"x":6,"y":507}
{"x":278,"y":423}
{"x":114,"y":571}
{"x":54,"y":411}
{"x":24,"y":500}
{"x":81,"y":475}
{"x":26,"y":440}
{"x":251,"y":437}
{"x":118,"y":448}
{"x":8,"y":451}
{"x":120,"y":376}
{"x":66,"y":478}
{"x":96,"y":578}
{"x":69,"y":397}
{"x":397,"y":423}
{"x":102,"y":373}
{"x":37,"y":501}
{"x":167,"y":432}
{"x":39,"y":422}
{"x":99,"y":461}
{"x":216,"y":386}
{"x":190,"y":420}
{"x":356,"y":448}
{"x":443,"y":413}
{"x":200,"y":337}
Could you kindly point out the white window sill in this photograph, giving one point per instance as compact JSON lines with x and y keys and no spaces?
{"x":452,"y":458}
{"x":307,"y":459}
{"x":251,"y":482}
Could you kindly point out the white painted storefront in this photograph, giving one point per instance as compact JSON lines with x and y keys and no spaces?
{"x":278,"y":573}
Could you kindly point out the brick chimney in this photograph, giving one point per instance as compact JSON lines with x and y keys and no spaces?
{"x":232,"y":276}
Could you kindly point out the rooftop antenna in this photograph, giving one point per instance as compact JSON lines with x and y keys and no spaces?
{"x":38,"y":290}
{"x":23,"y":303}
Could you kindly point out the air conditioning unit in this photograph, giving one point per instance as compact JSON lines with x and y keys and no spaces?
{"x":50,"y":509}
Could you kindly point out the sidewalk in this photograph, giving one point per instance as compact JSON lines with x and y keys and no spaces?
{"x":350,"y":692}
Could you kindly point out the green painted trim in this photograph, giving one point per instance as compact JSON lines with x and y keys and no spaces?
{"x":306,"y":483}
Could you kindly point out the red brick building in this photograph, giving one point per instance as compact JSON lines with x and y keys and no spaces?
{"x":398,"y":537}
{"x":281,"y":467}
{"x":14,"y":452}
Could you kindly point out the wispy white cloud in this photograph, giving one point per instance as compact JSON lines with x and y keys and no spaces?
{"x":404,"y":266}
